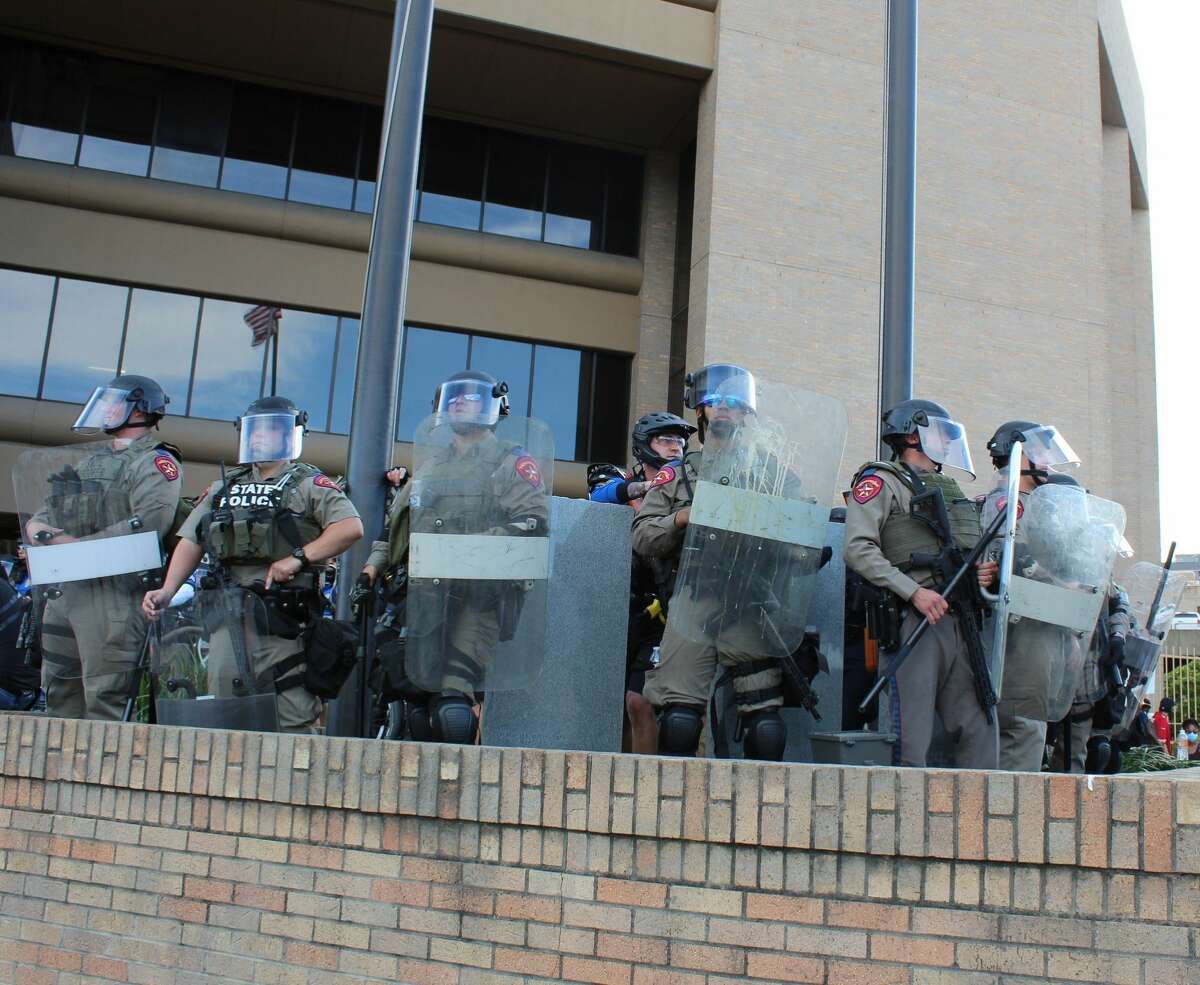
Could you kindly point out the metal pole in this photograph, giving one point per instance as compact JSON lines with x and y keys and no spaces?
{"x":899,"y":207}
{"x":373,"y":413}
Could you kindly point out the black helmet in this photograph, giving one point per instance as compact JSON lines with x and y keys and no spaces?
{"x":652,"y":425}
{"x":601,"y":473}
{"x":720,"y":381}
{"x":271,"y":430}
{"x":474,"y":386}
{"x":110,"y":406}
{"x":1000,"y":444}
{"x":276,"y":405}
{"x":907,"y":416}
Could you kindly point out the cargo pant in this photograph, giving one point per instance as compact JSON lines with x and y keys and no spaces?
{"x":296,"y":708}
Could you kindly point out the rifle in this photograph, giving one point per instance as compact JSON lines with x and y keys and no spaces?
{"x":915,"y":636}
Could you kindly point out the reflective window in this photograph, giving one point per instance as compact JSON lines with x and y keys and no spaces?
{"x":623,"y":220}
{"x":119,"y":122}
{"x":49,"y":91}
{"x":429,"y":357}
{"x":259,"y":143}
{"x":575,"y":197}
{"x":507,"y":361}
{"x":608,"y":438}
{"x":368,"y":159}
{"x":516,"y":186}
{"x":85,"y":338}
{"x":24,"y":314}
{"x":342,"y":396}
{"x":452,"y":173}
{"x":192,"y":122}
{"x":229,"y":371}
{"x":326,"y":152}
{"x":159,"y":338}
{"x":556,"y":396}
{"x":306,"y":348}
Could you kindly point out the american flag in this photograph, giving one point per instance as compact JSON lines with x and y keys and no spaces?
{"x":263,"y":320}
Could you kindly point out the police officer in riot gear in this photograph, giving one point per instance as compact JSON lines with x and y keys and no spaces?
{"x":897,"y":540}
{"x":270,"y":525}
{"x":476,"y":480}
{"x":92,"y":631}
{"x":659,"y":441}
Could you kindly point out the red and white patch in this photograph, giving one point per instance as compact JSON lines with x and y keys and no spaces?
{"x":326,"y":483}
{"x":867,"y":489}
{"x":665,"y":475}
{"x":528,"y":470}
{"x":166,"y":465}
{"x":1003,"y":502}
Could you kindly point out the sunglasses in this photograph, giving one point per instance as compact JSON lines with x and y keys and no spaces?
{"x":734,"y":403}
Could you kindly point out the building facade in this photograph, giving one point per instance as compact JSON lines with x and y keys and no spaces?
{"x":610,"y":193}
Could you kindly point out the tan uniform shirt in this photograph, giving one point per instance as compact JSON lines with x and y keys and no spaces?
{"x":655,"y":534}
{"x":875,"y":498}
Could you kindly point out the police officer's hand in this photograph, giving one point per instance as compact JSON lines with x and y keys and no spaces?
{"x":371,"y":572}
{"x":930,"y":604}
{"x":283,"y":570}
{"x":154,"y":602}
{"x":682,"y":517}
{"x":397,"y":476}
{"x":43,"y":533}
{"x":636,"y":490}
{"x":987,"y":572}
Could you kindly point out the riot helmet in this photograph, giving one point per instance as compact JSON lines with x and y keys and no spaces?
{"x":658,"y":424}
{"x":720,"y":387}
{"x":471,"y":399}
{"x":271,"y":430}
{"x":110,"y":406}
{"x":942,"y":439}
{"x":1042,"y":444}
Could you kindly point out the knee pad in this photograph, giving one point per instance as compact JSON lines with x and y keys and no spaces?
{"x":452,"y":719}
{"x":1102,"y":756}
{"x":765,"y":735}
{"x":679,"y":730}
{"x":420,"y":729}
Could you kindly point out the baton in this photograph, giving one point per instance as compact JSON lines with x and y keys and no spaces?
{"x":914,"y":637}
{"x":1159,"y":594}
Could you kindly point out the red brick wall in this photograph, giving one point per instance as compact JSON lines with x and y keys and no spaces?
{"x":142,"y":854}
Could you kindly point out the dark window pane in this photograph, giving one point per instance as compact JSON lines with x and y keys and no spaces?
{"x":48,"y":104}
{"x":343,"y":379}
{"x":326,"y":149}
{"x":229,"y":372}
{"x":159,"y":339}
{"x":368,"y":160}
{"x":623,"y":229}
{"x":453,"y":173}
{"x":120,"y":117}
{"x":84,"y":339}
{"x":429,"y":357}
{"x":556,"y":395}
{"x":192,"y":124}
{"x":24,"y":313}
{"x":575,"y":209}
{"x":516,"y":186}
{"x":306,"y":362}
{"x":507,"y":361}
{"x":260,"y":141}
{"x":610,"y":408}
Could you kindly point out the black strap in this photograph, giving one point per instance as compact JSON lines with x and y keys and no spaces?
{"x":753,"y":667}
{"x":745,"y":698}
{"x":280,"y":670}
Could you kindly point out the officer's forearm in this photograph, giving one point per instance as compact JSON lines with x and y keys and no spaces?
{"x":334,"y":539}
{"x":183,"y":562}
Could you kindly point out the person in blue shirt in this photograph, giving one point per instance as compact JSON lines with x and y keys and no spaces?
{"x":659,"y":442}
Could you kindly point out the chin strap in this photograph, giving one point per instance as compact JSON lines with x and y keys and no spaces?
{"x":1040,"y":476}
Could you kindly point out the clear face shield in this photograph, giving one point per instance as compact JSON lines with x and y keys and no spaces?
{"x":945,"y":441}
{"x":1047,"y":449}
{"x":107,"y":409}
{"x":470,"y":403}
{"x":723,"y":385}
{"x":269,"y":438}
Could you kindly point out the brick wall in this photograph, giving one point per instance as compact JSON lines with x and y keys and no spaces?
{"x":144,"y":854}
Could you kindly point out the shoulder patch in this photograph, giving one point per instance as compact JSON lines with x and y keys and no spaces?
{"x":867,"y":489}
{"x":665,"y":475}
{"x":528,"y":470}
{"x":1002,"y":504}
{"x":166,"y":465}
{"x":325,"y":482}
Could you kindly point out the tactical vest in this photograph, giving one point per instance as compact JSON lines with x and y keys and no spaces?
{"x":253,"y":524}
{"x":453,"y":494}
{"x":86,"y":498}
{"x":904,"y":535}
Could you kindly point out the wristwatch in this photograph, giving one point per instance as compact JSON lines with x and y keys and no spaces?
{"x":300,"y":556}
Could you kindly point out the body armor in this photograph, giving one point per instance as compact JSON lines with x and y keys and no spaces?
{"x":87,"y":498}
{"x":246,"y":524}
{"x":456,"y":492}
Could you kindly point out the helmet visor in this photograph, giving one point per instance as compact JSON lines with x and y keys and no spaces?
{"x":1047,"y":449}
{"x":269,"y":438}
{"x":723,"y":385}
{"x":945,"y":441}
{"x":107,"y":409}
{"x":469,"y":402}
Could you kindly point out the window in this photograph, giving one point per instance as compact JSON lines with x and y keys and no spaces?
{"x":507,"y":361}
{"x":429,"y":357}
{"x":25,"y":301}
{"x":341,"y":396}
{"x":119,"y":121}
{"x":160,"y":335}
{"x":85,"y":338}
{"x":229,"y":372}
{"x":259,"y":145}
{"x":192,"y":122}
{"x":556,"y":395}
{"x":368,"y":159}
{"x":575,"y":202}
{"x":49,"y":89}
{"x":452,"y":169}
{"x":307,"y":341}
{"x":326,"y":151}
{"x":516,"y":186}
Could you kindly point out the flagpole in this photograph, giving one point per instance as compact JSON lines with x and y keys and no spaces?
{"x":274,"y":357}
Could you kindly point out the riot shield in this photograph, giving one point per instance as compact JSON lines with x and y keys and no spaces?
{"x":1057,"y":574}
{"x":203,"y":656}
{"x":1154,"y":596}
{"x":757,"y":524}
{"x":479,"y":554}
{"x":1004,"y":498}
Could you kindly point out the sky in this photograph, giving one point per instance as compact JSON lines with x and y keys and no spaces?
{"x":1163,"y":33}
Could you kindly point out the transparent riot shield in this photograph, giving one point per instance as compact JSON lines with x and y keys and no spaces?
{"x":1006,"y":499}
{"x":1061,"y":561}
{"x":757,"y":524}
{"x":203,"y":659}
{"x":1154,"y":596}
{"x":89,"y":559}
{"x":479,"y":554}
